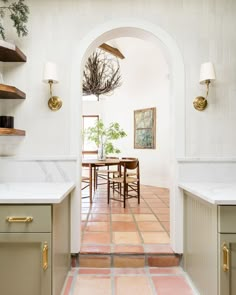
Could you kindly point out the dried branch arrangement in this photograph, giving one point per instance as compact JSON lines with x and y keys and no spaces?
{"x":101,"y":74}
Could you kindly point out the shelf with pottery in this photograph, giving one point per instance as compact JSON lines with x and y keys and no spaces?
{"x":11,"y":53}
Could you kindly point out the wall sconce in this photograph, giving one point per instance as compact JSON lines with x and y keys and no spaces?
{"x":50,"y":76}
{"x":207,"y":75}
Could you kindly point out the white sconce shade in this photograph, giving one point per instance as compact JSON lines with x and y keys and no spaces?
{"x":207,"y":73}
{"x":50,"y":72}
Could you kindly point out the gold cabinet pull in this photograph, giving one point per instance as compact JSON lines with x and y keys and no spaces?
{"x":17,"y":219}
{"x":225,"y":258}
{"x":45,"y":256}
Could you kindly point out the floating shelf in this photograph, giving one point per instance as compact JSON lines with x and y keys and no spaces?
{"x":11,"y":132}
{"x":10,"y":53}
{"x":11,"y":92}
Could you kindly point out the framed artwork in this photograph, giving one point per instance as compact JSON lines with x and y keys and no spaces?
{"x":145,"y":128}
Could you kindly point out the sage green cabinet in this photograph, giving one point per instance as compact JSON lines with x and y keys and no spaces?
{"x":227,"y":249}
{"x":34,"y":248}
{"x":210,"y":245}
{"x":227,"y":269}
{"x":22,"y":259}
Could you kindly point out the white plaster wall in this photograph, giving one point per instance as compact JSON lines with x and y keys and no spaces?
{"x":145,"y":84}
{"x":204,"y":30}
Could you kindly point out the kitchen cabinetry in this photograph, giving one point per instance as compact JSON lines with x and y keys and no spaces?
{"x":210,"y":245}
{"x":34,"y":248}
{"x":227,"y":249}
{"x":10,"y":53}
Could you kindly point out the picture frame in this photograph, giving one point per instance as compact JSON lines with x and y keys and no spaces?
{"x":145,"y":128}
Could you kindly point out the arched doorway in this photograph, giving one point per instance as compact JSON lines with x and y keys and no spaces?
{"x":146,"y":31}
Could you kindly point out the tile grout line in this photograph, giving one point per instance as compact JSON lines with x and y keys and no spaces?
{"x":149,"y":277}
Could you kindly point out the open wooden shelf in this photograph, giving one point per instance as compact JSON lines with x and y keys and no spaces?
{"x":10,"y":53}
{"x":11,"y":132}
{"x":11,"y":92}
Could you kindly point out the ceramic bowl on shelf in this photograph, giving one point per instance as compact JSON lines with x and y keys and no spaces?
{"x":6,"y":122}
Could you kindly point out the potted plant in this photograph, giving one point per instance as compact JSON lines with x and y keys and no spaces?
{"x":104,"y":136}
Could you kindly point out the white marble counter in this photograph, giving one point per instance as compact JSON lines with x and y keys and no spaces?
{"x":34,"y":193}
{"x":214,"y":193}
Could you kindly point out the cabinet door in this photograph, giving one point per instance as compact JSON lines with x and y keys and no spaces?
{"x":25,"y":263}
{"x":227,"y":264}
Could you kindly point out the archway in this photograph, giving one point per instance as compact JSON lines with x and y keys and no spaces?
{"x":146,"y":31}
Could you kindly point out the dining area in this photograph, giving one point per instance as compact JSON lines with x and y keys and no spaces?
{"x":120,"y":177}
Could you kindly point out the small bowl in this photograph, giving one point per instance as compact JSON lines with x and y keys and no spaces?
{"x":6,"y":122}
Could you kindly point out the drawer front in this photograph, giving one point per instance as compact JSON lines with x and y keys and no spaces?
{"x":25,"y":218}
{"x":227,"y":219}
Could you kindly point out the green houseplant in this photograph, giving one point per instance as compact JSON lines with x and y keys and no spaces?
{"x":104,"y":136}
{"x":18,"y":12}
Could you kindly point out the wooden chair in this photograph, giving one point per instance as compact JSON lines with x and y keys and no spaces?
{"x":105,"y":172}
{"x":129,"y":186}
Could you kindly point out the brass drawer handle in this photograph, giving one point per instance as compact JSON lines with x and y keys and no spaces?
{"x":17,"y":219}
{"x":225,"y":258}
{"x":45,"y":256}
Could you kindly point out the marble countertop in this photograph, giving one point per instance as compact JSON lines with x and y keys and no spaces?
{"x":214,"y":193}
{"x":34,"y":193}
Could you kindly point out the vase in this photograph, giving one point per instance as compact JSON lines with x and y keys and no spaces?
{"x":101,"y":152}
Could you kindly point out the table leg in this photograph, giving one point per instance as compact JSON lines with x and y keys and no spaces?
{"x":90,"y":183}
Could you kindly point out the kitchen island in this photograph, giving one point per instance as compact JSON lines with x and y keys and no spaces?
{"x":210,"y":236}
{"x":34,"y":237}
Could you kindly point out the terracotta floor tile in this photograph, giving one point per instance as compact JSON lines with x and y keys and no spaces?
{"x":95,"y":261}
{"x":100,"y":210}
{"x":158,"y":248}
{"x":145,"y":217}
{"x":128,"y":249}
{"x":166,"y":225}
{"x":130,"y":261}
{"x":120,"y":210}
{"x":99,"y":217}
{"x":155,"y":237}
{"x":122,"y":217}
{"x":97,"y":226}
{"x":129,"y":271}
{"x":144,"y":220}
{"x":174,"y":270}
{"x":149,"y":226}
{"x":166,"y":284}
{"x":163,"y":260}
{"x":91,"y":285}
{"x":96,"y":238}
{"x":126,"y":238}
{"x":132,"y":285}
{"x":95,"y":249}
{"x":123,"y":226}
{"x":99,"y":271}
{"x":161,"y":210}
{"x":163,"y":217}
{"x":141,"y":210}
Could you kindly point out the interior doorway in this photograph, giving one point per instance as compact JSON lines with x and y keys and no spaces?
{"x":155,"y":34}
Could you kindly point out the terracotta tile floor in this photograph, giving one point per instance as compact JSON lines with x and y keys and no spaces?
{"x":124,"y":281}
{"x":135,"y":229}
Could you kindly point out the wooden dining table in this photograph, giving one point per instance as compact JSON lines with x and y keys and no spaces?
{"x":92,"y":164}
